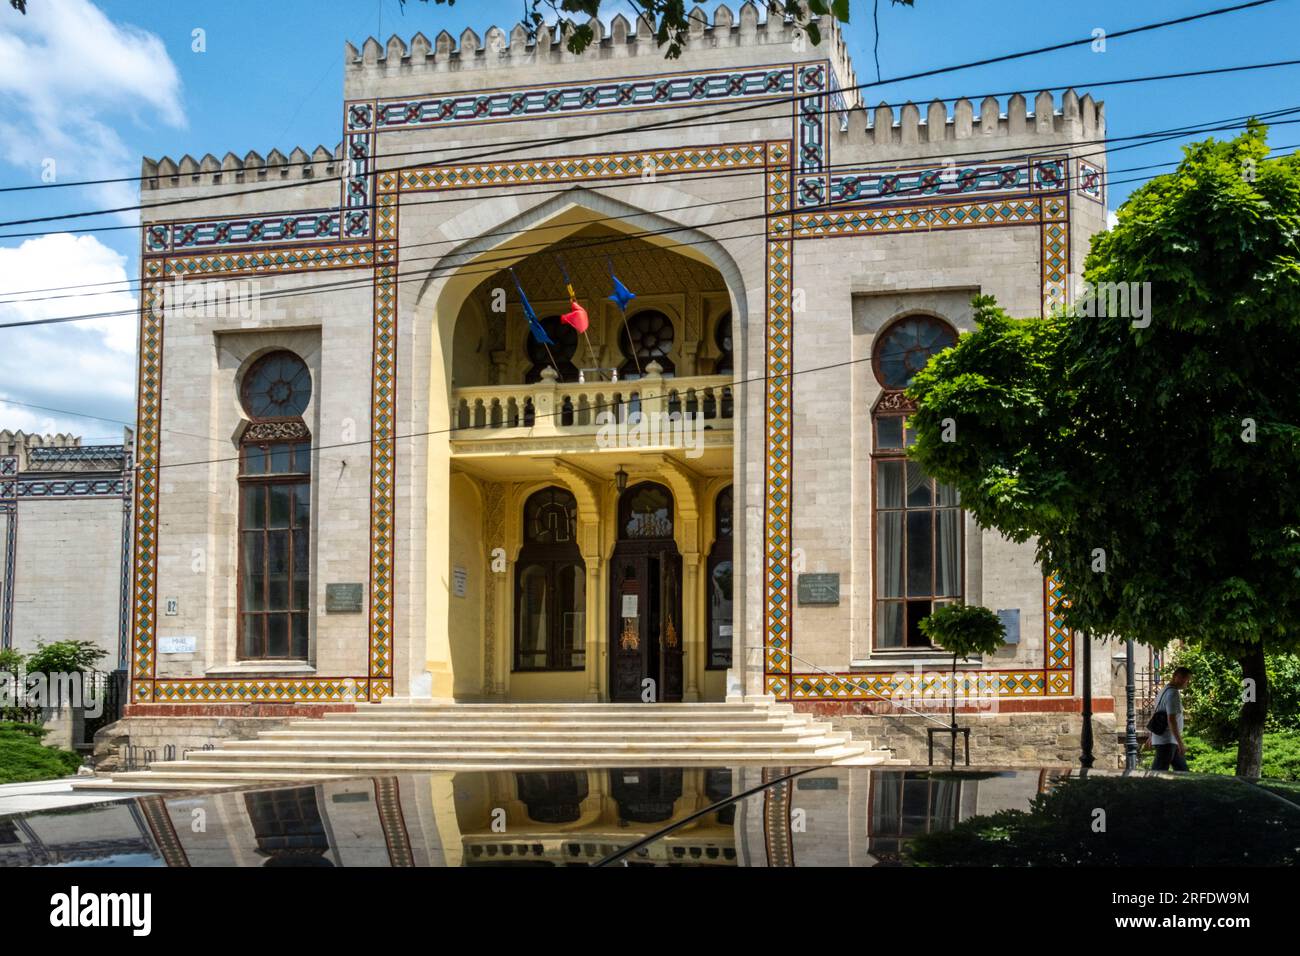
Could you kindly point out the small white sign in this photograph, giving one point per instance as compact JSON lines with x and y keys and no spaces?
{"x":171,"y":606}
{"x":724,"y":630}
{"x":629,"y":605}
{"x":459,"y":581}
{"x":178,"y":645}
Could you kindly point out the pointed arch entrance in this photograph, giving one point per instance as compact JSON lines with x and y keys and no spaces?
{"x":645,"y":618}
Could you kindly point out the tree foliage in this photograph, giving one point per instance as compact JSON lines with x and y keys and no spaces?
{"x":964,"y":630}
{"x":671,"y":18}
{"x":1154,"y":462}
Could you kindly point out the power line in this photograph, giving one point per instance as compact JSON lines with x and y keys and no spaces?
{"x":865,"y":109}
{"x":421,"y":274}
{"x":1155,"y":137}
{"x":668,"y":123}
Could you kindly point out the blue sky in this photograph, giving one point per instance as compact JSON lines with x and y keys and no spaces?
{"x":95,"y":85}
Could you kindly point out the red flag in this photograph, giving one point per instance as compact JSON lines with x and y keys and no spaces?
{"x":577,"y":318}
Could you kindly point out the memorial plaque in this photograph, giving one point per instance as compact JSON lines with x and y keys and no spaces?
{"x":819,"y":589}
{"x":345,"y":598}
{"x":1010,"y":618}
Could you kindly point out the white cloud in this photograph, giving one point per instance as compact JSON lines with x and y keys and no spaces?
{"x":85,"y":366}
{"x":64,"y":69}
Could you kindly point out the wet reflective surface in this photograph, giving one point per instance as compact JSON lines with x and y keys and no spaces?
{"x":669,"y":817}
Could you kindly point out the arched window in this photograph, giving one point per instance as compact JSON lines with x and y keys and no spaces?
{"x":722,"y":339}
{"x":903,"y":347}
{"x":647,"y":337}
{"x":565,"y":338}
{"x":275,"y":510}
{"x":720,"y":583}
{"x":917,"y":520}
{"x":550,"y":586}
{"x":645,"y":511}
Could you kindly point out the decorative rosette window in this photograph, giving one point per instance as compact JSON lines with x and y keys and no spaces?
{"x":275,"y":510}
{"x":917,"y":520}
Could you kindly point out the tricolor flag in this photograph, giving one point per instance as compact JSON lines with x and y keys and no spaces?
{"x":534,"y":326}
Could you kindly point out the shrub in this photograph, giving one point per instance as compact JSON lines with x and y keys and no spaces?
{"x":24,"y":758}
{"x":1187,"y":821}
{"x":65,"y":657}
{"x":1213,"y":700}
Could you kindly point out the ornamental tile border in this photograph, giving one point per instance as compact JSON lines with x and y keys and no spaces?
{"x":1091,"y":182}
{"x":615,"y":95}
{"x":581,"y":168}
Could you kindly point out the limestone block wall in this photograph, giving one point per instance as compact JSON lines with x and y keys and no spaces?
{"x":67,"y":578}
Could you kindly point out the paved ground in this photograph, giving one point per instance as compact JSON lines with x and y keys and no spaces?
{"x":50,"y":795}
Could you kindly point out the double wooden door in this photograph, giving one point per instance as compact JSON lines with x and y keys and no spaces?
{"x":645,"y":625}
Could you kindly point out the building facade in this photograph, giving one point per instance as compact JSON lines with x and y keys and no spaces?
{"x":361,"y":476}
{"x":65,"y":517}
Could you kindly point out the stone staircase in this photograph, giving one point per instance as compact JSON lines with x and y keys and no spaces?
{"x":413,"y":736}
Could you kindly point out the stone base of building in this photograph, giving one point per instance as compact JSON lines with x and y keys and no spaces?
{"x":996,"y":740}
{"x":135,"y":741}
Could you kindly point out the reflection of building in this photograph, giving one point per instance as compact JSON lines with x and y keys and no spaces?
{"x":416,"y":499}
{"x":843,"y":816}
{"x":64,"y":517}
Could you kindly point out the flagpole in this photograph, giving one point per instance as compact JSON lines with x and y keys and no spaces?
{"x":622,"y":309}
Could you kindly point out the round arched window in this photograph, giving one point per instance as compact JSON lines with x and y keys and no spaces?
{"x":648,"y":337}
{"x":278,"y":385}
{"x":722,"y":339}
{"x":903,"y":348}
{"x":565,"y":338}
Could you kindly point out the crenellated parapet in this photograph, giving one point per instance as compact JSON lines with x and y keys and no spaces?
{"x":1071,"y":118}
{"x":520,"y":47}
{"x":165,"y":172}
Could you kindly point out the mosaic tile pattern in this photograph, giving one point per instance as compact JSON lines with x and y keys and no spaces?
{"x":306,"y":690}
{"x":1055,"y":262}
{"x":148,"y":446}
{"x":1091,"y":182}
{"x":625,"y":93}
{"x":261,"y":261}
{"x":383,"y":451}
{"x":319,"y":225}
{"x":9,"y":514}
{"x":581,"y":168}
{"x":910,"y":686}
{"x":71,"y":487}
{"x":889,"y":219}
{"x":388,"y":804}
{"x":811,"y":114}
{"x":778,"y":408}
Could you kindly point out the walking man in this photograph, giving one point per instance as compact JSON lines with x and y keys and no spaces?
{"x":1166,"y":724}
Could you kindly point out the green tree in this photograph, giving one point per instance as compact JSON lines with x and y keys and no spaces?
{"x":65,"y":657}
{"x":1153,"y":459}
{"x":963,"y":630}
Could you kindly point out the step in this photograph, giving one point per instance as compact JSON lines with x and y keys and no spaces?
{"x":527,"y":737}
{"x":348,"y":728}
{"x":510,"y":748}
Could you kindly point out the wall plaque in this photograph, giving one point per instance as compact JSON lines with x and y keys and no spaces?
{"x":823,"y":589}
{"x":1010,"y":618}
{"x":459,"y":581}
{"x":344,"y":597}
{"x":178,"y":645}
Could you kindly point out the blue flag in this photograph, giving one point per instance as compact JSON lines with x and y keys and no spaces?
{"x":622,"y":294}
{"x":534,"y":326}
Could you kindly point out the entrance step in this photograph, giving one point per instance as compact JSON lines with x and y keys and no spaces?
{"x":415,"y":736}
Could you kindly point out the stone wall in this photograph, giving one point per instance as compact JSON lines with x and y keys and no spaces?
{"x":184,"y":733}
{"x":996,"y":740}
